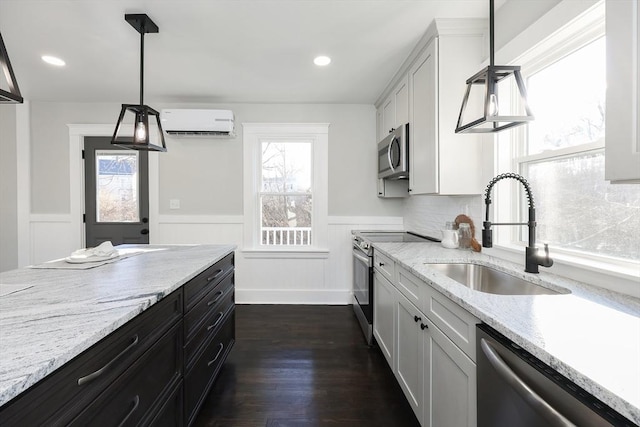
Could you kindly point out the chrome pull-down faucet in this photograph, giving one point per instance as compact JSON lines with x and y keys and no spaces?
{"x":532,"y":258}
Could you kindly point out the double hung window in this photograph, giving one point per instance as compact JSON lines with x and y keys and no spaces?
{"x":561,"y":153}
{"x":285,"y":187}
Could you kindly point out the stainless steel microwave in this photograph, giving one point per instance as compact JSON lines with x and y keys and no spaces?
{"x":393,"y":154}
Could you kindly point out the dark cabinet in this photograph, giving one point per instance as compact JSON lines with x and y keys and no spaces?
{"x":154,"y":370}
{"x":62,"y":395}
{"x":209,"y":328}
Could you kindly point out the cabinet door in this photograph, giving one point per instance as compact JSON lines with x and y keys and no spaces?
{"x":388,"y":115}
{"x":384,"y":298}
{"x":401,"y":95}
{"x":379,"y":125}
{"x":423,"y":128}
{"x":449,"y":382}
{"x":622,"y":157}
{"x":409,"y":353}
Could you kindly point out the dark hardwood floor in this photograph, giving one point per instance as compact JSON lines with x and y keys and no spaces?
{"x":303,"y":366}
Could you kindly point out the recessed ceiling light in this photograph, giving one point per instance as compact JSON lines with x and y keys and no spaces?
{"x":322,"y":60}
{"x":53,"y":60}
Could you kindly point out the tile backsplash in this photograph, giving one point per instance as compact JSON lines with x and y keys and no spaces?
{"x":426,"y":214}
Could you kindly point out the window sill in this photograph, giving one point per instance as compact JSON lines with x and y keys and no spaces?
{"x":620,"y":276}
{"x":278,"y":253}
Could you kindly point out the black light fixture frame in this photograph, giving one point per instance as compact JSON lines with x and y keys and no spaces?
{"x":489,"y":77}
{"x":13,"y":96}
{"x":142,"y":24}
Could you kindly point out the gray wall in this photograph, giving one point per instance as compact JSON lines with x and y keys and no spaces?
{"x":206,"y":174}
{"x":8,"y":189}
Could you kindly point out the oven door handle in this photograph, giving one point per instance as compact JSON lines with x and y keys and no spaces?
{"x":364,"y":259}
{"x":555,"y":418}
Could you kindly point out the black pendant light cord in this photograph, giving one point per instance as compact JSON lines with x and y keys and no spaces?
{"x":142,"y":65}
{"x":491,"y":47}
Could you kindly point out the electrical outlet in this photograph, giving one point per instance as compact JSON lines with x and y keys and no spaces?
{"x":174,"y":204}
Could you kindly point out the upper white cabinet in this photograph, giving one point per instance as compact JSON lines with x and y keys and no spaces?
{"x":394,"y":110}
{"x":431,"y":83}
{"x":622,"y":143}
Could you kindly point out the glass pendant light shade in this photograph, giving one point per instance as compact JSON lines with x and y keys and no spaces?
{"x":136,"y":133}
{"x":496,"y":95}
{"x":134,"y":130}
{"x":497,"y":110}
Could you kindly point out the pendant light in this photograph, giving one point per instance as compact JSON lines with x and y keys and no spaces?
{"x":139,"y":140}
{"x":13,"y":96}
{"x":492,"y":120}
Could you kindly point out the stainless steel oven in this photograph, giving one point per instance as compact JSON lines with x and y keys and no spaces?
{"x":363,"y":286}
{"x":363,"y":271}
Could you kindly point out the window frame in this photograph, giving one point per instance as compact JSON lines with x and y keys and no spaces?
{"x":510,"y":154}
{"x":254,"y":134}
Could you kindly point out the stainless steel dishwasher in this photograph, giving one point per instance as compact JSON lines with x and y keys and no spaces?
{"x":517,"y":389}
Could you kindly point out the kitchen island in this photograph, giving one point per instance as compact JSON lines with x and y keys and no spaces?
{"x":53,"y":318}
{"x":590,"y":335}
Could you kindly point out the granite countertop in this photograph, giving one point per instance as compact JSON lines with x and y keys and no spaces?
{"x":592,"y":335}
{"x":49,"y":316}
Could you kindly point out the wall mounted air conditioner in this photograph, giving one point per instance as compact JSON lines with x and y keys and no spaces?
{"x":192,"y":122}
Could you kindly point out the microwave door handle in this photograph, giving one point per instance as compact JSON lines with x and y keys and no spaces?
{"x":555,"y":418}
{"x":393,"y":139}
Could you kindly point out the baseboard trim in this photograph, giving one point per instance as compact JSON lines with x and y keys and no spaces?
{"x":286,"y":296}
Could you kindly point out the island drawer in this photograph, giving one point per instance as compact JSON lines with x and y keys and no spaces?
{"x":59,"y":395}
{"x":197,"y":287}
{"x":208,"y":328}
{"x":199,"y":379}
{"x":142,"y":389}
{"x":206,"y":306}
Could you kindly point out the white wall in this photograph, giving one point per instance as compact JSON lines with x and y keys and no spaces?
{"x":8,"y":189}
{"x":206,"y":176}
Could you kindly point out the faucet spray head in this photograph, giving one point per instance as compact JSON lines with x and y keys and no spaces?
{"x":487,"y":235}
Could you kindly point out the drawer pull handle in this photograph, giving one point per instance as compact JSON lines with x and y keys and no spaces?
{"x":380,"y":264}
{"x":423,"y":326}
{"x":417,"y":319}
{"x":136,"y":402}
{"x":212,"y":361}
{"x":216,"y":299}
{"x":210,"y":327}
{"x":215,"y":276}
{"x":96,"y":374}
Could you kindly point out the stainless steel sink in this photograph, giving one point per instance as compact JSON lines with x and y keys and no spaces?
{"x":486,"y":279}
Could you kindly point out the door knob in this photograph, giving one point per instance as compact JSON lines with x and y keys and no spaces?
{"x":144,"y":231}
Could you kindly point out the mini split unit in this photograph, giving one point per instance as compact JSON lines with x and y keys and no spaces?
{"x":185,"y":122}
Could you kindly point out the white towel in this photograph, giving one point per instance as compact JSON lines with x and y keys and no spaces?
{"x":102,"y":252}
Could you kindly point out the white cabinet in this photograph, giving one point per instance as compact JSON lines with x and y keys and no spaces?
{"x":393,"y":188}
{"x":423,"y":123}
{"x":449,"y":382}
{"x":429,"y":342}
{"x":622,"y":141}
{"x":427,"y":92}
{"x":409,"y":354}
{"x":394,"y":110}
{"x":443,"y":162}
{"x":384,"y":300}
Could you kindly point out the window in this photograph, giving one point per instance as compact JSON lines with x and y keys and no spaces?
{"x":285,"y":187}
{"x":286,"y":193}
{"x":561,"y":153}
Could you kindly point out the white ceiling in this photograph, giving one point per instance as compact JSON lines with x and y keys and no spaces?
{"x":217,"y":50}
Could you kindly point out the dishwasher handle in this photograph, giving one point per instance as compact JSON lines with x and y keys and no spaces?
{"x":555,"y":418}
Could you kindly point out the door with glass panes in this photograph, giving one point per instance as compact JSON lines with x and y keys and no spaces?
{"x":116,"y":193}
